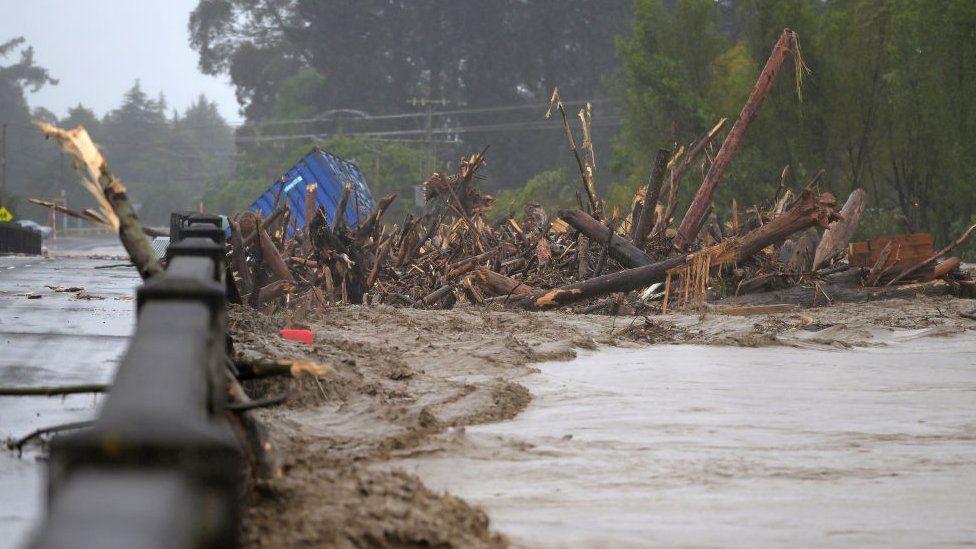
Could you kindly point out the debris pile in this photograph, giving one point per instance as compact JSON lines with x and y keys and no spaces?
{"x":587,"y":259}
{"x":453,"y":252}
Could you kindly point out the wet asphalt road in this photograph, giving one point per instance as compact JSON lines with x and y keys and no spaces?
{"x":58,"y":339}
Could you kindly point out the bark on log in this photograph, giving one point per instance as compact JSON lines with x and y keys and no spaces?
{"x":87,"y":215}
{"x":623,"y":251}
{"x":583,"y":267}
{"x":621,"y":281}
{"x":268,"y":293}
{"x":836,"y":237}
{"x":801,"y":260}
{"x":880,"y":267}
{"x":946,"y":267}
{"x":340,"y":215}
{"x":273,"y":259}
{"x":437,"y":295}
{"x":645,"y":222}
{"x":311,"y":203}
{"x":703,"y":198}
{"x":496,"y":284}
{"x":807,"y":211}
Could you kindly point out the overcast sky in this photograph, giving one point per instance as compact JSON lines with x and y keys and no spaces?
{"x":98,"y":48}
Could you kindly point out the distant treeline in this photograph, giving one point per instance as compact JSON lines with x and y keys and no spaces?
{"x":882,"y":99}
{"x":887,"y":103}
{"x":166,"y":158}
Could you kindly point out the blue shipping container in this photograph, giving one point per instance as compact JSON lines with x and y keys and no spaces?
{"x":332,"y":174}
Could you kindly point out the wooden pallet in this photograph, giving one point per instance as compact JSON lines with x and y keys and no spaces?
{"x":906,"y":250}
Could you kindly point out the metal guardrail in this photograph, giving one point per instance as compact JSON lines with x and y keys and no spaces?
{"x":15,"y":239}
{"x":160,"y":467}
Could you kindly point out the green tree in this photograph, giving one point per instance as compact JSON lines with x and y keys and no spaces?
{"x":553,"y":189}
{"x":26,"y":157}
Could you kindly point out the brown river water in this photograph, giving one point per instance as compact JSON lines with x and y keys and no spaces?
{"x":720,"y":446}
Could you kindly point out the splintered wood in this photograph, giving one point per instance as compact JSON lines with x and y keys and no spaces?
{"x":586,"y":259}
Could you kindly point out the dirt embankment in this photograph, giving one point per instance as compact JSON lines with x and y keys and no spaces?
{"x":401,"y":376}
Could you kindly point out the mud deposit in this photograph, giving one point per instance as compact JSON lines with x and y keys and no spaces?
{"x":406,"y":383}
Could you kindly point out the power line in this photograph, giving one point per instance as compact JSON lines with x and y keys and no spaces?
{"x":395,"y":116}
{"x":485,"y":128}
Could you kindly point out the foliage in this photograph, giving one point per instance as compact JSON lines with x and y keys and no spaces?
{"x":164,"y":159}
{"x":887,"y":106}
{"x":376,"y":55}
{"x":24,"y":142}
{"x":553,"y":189}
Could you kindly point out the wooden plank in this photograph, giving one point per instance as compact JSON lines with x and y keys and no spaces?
{"x":757,"y":309}
{"x":906,"y":250}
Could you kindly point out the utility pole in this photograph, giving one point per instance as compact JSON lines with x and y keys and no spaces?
{"x":3,"y":165}
{"x":429,"y":133}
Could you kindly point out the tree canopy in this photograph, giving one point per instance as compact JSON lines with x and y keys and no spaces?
{"x":886,"y":105}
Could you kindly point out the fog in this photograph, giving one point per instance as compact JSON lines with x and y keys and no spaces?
{"x":96,"y":49}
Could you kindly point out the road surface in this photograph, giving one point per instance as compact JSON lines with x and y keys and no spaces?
{"x":58,"y":339}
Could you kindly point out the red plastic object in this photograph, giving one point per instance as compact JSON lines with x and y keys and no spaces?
{"x":304,"y":336}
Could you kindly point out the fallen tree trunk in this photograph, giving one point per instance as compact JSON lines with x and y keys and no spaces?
{"x":836,"y":237}
{"x":946,"y":267}
{"x":496,"y":284}
{"x":623,"y":251}
{"x":808,"y":210}
{"x":825,"y":294}
{"x":801,"y":259}
{"x":621,"y":281}
{"x":696,"y":211}
{"x":238,"y":261}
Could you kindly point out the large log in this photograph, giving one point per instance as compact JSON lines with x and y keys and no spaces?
{"x":496,"y":284}
{"x":801,"y":260}
{"x":273,"y":259}
{"x":110,"y":193}
{"x":623,"y":251}
{"x":826,"y":294}
{"x":621,"y":281}
{"x":807,"y":211}
{"x":836,"y":237}
{"x":696,"y":211}
{"x":643,"y":225}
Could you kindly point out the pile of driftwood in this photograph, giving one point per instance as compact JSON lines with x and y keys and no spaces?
{"x":584,"y":258}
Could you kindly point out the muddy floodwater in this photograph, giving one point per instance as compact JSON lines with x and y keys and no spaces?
{"x":719,"y":446}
